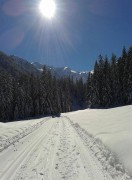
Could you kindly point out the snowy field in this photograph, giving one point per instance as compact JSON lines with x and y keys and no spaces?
{"x":68,"y":148}
{"x":112,"y":126}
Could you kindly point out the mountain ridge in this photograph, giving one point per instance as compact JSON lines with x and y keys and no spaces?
{"x":15,"y":65}
{"x":63,"y":71}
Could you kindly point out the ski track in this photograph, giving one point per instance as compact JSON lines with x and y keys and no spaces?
{"x":56,"y":150}
{"x":15,"y":135}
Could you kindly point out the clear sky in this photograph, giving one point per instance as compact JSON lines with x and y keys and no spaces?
{"x":79,"y":32}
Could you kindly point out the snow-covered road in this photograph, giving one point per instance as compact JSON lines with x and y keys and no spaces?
{"x":58,"y":150}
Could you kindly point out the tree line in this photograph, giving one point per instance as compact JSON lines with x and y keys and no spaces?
{"x":24,"y":95}
{"x":111,"y":83}
{"x":28,"y":95}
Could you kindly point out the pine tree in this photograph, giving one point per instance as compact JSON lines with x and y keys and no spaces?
{"x":6,"y":96}
{"x":114,"y":76}
{"x":129,"y":76}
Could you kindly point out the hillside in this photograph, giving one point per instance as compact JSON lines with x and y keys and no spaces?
{"x":14,"y":65}
{"x":60,"y":72}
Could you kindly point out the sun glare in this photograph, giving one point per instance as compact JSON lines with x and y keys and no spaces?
{"x":47,"y":8}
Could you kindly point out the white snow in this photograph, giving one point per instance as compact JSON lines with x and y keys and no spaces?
{"x":112,"y":126}
{"x":41,"y":70}
{"x":83,"y":72}
{"x":65,"y":68}
{"x":73,"y":71}
{"x":12,"y":132}
{"x":64,"y":149}
{"x":92,"y":71}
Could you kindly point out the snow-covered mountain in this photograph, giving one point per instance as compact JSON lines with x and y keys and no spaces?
{"x":15,"y":65}
{"x":63,"y":71}
{"x":24,"y":65}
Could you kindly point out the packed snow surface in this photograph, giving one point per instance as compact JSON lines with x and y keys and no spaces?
{"x":112,"y":126}
{"x":60,"y":148}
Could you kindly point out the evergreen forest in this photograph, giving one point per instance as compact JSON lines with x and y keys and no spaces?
{"x":29,"y":94}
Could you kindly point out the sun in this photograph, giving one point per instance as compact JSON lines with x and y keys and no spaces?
{"x":47,"y":8}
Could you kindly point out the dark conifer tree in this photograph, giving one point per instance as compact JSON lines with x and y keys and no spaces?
{"x":114,"y":76}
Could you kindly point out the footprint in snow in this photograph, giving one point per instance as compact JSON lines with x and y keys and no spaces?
{"x":41,"y":174}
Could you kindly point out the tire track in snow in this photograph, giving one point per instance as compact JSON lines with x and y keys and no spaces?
{"x":25,"y":151}
{"x":58,"y":150}
{"x":74,"y":160}
{"x":6,"y":141}
{"x":42,"y":158}
{"x":97,"y":151}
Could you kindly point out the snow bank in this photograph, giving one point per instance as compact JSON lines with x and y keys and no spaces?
{"x":2,"y":125}
{"x":112,"y":126}
{"x":109,"y":161}
{"x":14,"y":131}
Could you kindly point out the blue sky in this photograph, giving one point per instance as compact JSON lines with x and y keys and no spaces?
{"x":79,"y":32}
